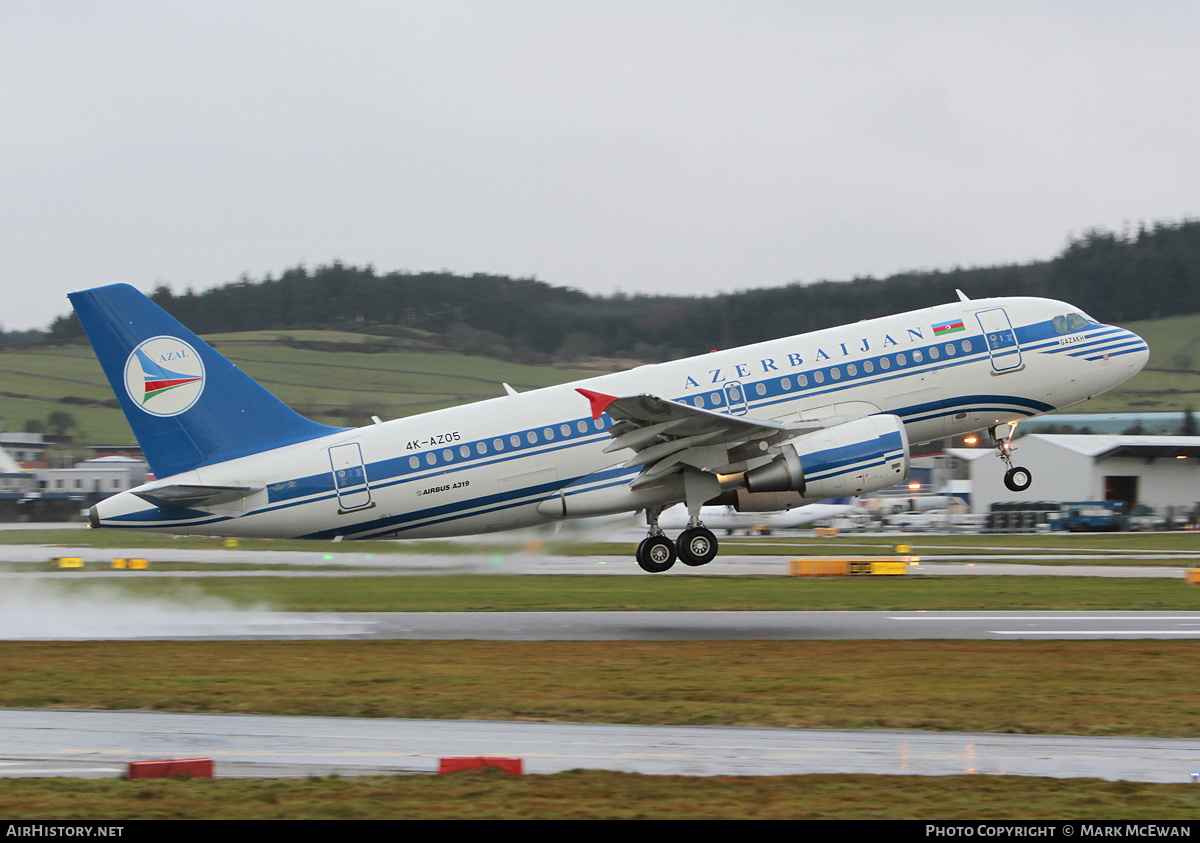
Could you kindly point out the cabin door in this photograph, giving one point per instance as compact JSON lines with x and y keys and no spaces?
{"x":1001,"y":339}
{"x":735,"y":399}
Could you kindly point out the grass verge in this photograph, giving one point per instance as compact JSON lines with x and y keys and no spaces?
{"x":566,"y":593}
{"x":601,"y":795}
{"x":1080,"y":687}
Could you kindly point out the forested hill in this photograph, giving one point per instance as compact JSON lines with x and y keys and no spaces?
{"x":1115,"y":278}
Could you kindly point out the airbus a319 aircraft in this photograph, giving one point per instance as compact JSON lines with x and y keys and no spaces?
{"x":763,"y":427}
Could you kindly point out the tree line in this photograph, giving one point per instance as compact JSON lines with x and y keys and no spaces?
{"x":1125,"y":277}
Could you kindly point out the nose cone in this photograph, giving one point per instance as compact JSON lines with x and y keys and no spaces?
{"x":1139,"y":354}
{"x":1127,"y":356}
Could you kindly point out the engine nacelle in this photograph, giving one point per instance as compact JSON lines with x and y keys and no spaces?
{"x":744,"y":500}
{"x":848,"y":459}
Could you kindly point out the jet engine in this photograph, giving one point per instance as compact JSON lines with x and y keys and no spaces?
{"x":848,"y":459}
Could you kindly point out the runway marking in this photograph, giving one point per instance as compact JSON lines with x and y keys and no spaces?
{"x":1096,"y":632}
{"x":1049,"y":617}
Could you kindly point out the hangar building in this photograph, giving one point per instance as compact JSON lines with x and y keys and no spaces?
{"x":1159,"y":471}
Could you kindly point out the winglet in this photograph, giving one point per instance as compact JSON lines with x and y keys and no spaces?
{"x":599,"y":400}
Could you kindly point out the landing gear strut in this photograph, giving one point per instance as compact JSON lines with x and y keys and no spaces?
{"x":696,"y":546}
{"x":1018,"y":478}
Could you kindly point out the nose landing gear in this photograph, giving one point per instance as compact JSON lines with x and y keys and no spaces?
{"x":1018,"y":478}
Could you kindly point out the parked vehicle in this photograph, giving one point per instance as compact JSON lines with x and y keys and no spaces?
{"x":1090,"y":516}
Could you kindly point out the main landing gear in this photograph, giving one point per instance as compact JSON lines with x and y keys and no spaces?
{"x":696,"y":546}
{"x":1018,"y":478}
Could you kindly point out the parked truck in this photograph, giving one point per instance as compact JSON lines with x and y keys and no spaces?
{"x":1083,"y":516}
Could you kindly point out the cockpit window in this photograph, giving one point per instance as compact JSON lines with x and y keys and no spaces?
{"x":1072,"y":322}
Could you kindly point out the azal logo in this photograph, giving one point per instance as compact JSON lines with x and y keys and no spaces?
{"x":164,"y":376}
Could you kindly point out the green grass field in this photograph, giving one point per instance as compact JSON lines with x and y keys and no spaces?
{"x":1025,"y":687}
{"x":590,"y":795}
{"x":324,"y":385}
{"x":644,"y":593}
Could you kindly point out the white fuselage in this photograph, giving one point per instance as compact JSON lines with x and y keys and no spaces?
{"x":487,"y":466}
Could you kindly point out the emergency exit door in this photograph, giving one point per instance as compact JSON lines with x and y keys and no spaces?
{"x":349,"y":477}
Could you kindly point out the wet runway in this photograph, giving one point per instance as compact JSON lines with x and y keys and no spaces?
{"x":94,"y":744}
{"x":613,"y":626}
{"x":47,"y":742}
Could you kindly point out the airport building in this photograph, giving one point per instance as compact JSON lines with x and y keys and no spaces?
{"x":1162,"y":472}
{"x":60,"y":494}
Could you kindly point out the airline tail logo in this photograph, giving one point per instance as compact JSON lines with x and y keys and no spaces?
{"x":164,"y":376}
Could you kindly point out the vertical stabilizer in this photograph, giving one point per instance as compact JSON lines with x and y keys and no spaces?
{"x":188,"y":406}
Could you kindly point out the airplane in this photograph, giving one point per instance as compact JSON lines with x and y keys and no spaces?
{"x":729,"y":519}
{"x":761,"y":427}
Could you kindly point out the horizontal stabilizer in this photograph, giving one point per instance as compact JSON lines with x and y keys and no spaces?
{"x":177,"y":496}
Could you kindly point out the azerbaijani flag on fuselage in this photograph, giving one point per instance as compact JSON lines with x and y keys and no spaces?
{"x":951,"y":327}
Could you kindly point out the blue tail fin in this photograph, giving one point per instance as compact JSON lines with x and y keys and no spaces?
{"x":188,"y":406}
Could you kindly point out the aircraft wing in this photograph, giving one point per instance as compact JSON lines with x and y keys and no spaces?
{"x":667,"y":436}
{"x":180,"y":496}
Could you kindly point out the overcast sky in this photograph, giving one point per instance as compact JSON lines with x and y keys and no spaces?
{"x":647,"y":146}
